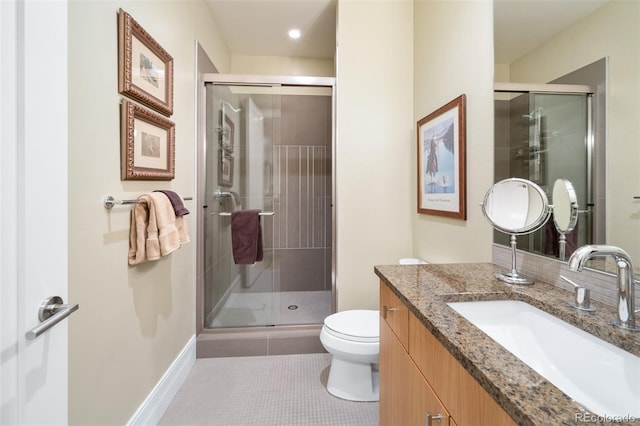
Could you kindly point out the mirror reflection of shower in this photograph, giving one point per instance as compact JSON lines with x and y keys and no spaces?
{"x":556,"y":130}
{"x":541,"y":136}
{"x":269,"y":148}
{"x":534,"y":121}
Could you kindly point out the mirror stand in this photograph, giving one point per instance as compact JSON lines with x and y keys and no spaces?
{"x":513,"y":277}
{"x":562,"y":243}
{"x":515,"y":206}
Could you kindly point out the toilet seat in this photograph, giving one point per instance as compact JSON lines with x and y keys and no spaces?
{"x":355,"y":326}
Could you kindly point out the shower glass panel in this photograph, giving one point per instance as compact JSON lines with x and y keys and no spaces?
{"x":269,"y":148}
{"x":543,"y":137}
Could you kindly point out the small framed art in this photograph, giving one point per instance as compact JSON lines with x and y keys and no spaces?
{"x":145,"y":69}
{"x":147,"y":144}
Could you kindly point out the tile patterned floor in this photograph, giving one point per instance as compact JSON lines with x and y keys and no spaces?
{"x":270,"y":390}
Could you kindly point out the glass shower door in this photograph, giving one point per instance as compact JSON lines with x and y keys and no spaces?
{"x":242,"y":123}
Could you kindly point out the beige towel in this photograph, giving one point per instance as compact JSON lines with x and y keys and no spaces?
{"x":154,"y":229}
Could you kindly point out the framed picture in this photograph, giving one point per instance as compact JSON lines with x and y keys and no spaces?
{"x":147,"y":144}
{"x":225,"y":169}
{"x":145,"y":69}
{"x":442,"y":161}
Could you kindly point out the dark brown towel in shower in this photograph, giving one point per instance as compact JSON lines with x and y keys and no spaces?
{"x":176,"y":201}
{"x":246,"y":237}
{"x":552,"y":238}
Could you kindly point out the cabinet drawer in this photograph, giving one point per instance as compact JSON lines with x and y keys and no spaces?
{"x":394,"y":313}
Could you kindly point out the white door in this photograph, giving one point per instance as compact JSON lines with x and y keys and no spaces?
{"x":33,"y":209}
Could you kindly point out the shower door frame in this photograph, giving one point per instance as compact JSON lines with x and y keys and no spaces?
{"x":596,"y":229}
{"x":259,"y":80}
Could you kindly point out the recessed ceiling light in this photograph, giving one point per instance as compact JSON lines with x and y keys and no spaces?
{"x":294,"y":33}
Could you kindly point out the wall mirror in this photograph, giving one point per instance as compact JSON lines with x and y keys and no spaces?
{"x":515,"y":207}
{"x":562,"y":42}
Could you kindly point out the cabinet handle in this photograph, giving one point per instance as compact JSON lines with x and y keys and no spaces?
{"x":429,"y":418}
{"x":386,"y":309}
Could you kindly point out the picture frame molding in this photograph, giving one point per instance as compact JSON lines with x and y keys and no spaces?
{"x":128,"y":29}
{"x":130,"y":112}
{"x":225,"y":169}
{"x":437,"y":206}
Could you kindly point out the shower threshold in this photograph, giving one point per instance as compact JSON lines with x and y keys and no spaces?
{"x":259,"y":341}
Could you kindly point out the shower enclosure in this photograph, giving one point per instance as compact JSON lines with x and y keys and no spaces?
{"x":269,"y":146}
{"x":543,"y":135}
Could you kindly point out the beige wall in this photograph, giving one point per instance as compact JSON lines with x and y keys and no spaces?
{"x":281,"y":65}
{"x":374,"y":125}
{"x":133,"y":321}
{"x":453,"y":54}
{"x":614,"y":32}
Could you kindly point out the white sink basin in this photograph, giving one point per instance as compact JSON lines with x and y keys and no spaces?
{"x":598,"y":375}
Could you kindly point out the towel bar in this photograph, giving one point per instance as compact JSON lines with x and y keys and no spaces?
{"x":260,"y":214}
{"x":109,"y":201}
{"x":219,"y":194}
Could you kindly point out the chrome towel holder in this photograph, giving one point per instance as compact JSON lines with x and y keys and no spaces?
{"x":109,"y":201}
{"x":259,"y":214}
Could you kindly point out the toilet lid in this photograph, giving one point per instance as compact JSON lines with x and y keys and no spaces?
{"x":360,"y":325}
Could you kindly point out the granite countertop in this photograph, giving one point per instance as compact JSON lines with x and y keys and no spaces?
{"x":525,"y":395}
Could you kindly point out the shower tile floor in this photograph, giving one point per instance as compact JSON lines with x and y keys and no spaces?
{"x":273,"y":308}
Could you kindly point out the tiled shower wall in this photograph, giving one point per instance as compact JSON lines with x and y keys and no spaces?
{"x":302,"y":193}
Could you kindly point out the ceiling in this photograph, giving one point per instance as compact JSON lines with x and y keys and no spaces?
{"x":259,"y":27}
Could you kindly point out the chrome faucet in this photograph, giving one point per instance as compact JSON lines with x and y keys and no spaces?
{"x":626,"y":299}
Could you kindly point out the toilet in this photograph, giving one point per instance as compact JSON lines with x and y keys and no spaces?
{"x":352,"y":338}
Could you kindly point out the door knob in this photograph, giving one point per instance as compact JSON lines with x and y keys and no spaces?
{"x":52,"y":311}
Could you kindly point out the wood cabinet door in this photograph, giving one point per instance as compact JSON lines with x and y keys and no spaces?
{"x":425,"y":403}
{"x":465,"y":399}
{"x":405,"y":396}
{"x":394,"y":397}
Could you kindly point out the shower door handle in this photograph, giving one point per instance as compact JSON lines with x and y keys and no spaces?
{"x":52,"y":311}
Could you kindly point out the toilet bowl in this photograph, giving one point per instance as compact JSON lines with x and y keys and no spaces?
{"x":353,"y":340}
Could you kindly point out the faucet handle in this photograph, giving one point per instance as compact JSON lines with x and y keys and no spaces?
{"x":582,"y":296}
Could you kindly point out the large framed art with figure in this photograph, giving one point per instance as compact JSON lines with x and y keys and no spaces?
{"x":442,"y":161}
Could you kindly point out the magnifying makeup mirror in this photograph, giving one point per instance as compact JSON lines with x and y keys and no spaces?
{"x":515,"y":206}
{"x":565,"y":211}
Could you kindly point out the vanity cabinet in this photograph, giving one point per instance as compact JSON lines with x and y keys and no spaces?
{"x":405,"y":396}
{"x":420,"y":378}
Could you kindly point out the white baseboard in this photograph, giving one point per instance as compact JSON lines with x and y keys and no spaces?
{"x":154,"y":406}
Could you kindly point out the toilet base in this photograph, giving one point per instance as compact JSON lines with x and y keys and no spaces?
{"x":353,"y":381}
